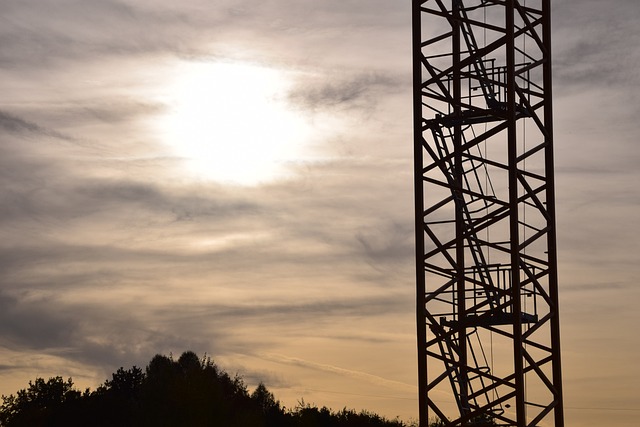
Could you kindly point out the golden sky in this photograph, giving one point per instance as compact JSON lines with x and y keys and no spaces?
{"x":235,"y":178}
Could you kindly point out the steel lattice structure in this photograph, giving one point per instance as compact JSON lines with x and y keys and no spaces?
{"x":487,"y":306}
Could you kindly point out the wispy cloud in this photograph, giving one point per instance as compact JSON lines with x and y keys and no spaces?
{"x":358,"y":375}
{"x":343,"y":92}
{"x":16,"y":125}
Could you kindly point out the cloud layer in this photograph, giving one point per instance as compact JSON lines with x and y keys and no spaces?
{"x":109,"y":254}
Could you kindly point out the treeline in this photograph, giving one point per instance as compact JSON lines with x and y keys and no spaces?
{"x":190,"y":392}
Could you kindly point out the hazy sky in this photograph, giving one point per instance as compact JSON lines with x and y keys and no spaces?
{"x":235,"y":178}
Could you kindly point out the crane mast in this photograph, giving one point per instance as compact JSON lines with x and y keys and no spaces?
{"x":487,"y":289}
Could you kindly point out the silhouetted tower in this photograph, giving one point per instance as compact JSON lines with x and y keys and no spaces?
{"x":487,"y":306}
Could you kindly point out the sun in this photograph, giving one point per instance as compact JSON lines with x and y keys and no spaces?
{"x":231,"y":122}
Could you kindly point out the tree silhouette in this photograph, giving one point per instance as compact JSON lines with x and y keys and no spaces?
{"x":270,"y":409}
{"x":191,"y":391}
{"x":123,"y":392}
{"x":42,"y":403}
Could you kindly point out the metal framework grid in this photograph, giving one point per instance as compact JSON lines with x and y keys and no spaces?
{"x":487,"y":294}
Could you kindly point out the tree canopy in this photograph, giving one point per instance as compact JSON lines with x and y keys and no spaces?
{"x":191,"y":391}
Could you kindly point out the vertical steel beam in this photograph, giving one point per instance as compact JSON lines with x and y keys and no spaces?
{"x":514,"y":214}
{"x":463,"y":374}
{"x":551,"y":208}
{"x":419,"y":212}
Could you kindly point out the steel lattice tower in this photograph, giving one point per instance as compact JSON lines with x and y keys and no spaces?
{"x":487,"y":291}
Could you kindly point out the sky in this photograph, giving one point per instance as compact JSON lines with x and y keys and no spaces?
{"x":235,"y":178}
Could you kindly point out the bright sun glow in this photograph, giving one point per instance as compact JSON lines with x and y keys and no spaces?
{"x":230,"y":122}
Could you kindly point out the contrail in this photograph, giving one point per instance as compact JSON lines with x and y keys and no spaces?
{"x":374,"y":379}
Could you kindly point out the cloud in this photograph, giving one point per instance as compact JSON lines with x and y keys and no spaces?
{"x":100,"y":246}
{"x":285,"y":312}
{"x":394,"y":243}
{"x":590,"y":55}
{"x":22,"y":324}
{"x":358,"y":375}
{"x":343,"y":92}
{"x":16,"y":125}
{"x":38,"y":34}
{"x":99,"y":335}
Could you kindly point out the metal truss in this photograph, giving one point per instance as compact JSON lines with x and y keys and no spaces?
{"x":487,"y":293}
